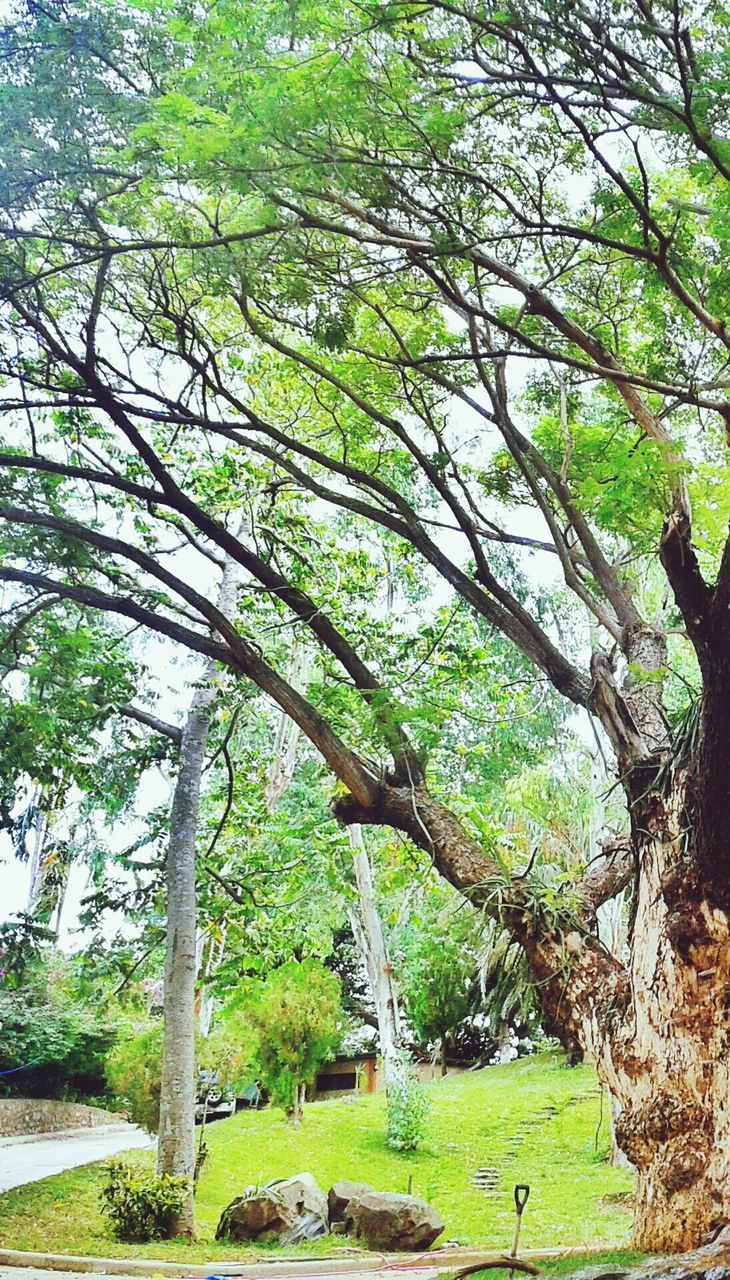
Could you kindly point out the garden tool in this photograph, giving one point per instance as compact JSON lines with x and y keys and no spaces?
{"x":522,"y":1193}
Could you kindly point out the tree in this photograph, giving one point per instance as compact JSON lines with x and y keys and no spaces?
{"x":297,"y":1015}
{"x":325,"y":244}
{"x":367,"y":930}
{"x":178,"y":1089}
{"x":438,"y":967}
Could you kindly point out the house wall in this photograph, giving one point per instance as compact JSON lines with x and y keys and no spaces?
{"x":362,"y":1070}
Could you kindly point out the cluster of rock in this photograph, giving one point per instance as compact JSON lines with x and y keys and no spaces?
{"x":296,"y":1209}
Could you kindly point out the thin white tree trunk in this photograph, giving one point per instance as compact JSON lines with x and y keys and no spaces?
{"x":504,"y":1043}
{"x":367,"y":931}
{"x":363,"y":916}
{"x":286,"y":741}
{"x":176,"y":1147}
{"x":35,"y":881}
{"x":209,"y":955}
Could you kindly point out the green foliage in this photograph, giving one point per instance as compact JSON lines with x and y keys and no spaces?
{"x":407,"y":1110}
{"x":141,"y":1206}
{"x":297,"y":1015}
{"x":51,"y":1044}
{"x":71,"y":671}
{"x":437,"y":965}
{"x":134,"y":1073}
{"x":134,"y":1065}
{"x":24,"y":944}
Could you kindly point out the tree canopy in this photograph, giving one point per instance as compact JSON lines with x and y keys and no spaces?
{"x":415,"y":312}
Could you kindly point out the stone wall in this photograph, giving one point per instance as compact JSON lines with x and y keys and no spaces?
{"x":22,"y":1116}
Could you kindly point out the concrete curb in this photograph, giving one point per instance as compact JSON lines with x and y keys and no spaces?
{"x":442,"y":1260}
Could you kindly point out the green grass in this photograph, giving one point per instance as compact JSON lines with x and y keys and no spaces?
{"x":576,"y":1200}
{"x":608,"y":1258}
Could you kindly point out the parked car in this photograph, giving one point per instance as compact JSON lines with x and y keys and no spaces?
{"x":214,"y":1102}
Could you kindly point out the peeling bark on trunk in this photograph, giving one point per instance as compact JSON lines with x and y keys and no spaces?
{"x":367,"y":931}
{"x":176,"y":1143}
{"x":669,"y":1062}
{"x":657,"y":1028}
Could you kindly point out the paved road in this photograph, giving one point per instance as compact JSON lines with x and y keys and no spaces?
{"x":38,"y":1273}
{"x":387,"y":1273}
{"x":22,"y":1162}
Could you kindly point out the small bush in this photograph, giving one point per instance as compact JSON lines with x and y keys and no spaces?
{"x":407,"y":1111}
{"x":142,"y":1206}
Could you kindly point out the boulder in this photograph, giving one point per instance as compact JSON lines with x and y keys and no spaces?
{"x":388,"y":1221}
{"x":339,"y":1196}
{"x":288,"y":1211}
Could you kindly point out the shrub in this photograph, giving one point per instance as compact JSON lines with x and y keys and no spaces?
{"x":141,"y":1205}
{"x":407,"y":1110}
{"x":50,"y":1045}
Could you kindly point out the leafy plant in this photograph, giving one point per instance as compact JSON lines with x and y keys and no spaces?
{"x":50,"y":1045}
{"x":141,"y":1206}
{"x":437,"y":973}
{"x":407,"y":1109}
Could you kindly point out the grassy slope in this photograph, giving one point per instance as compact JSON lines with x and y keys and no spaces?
{"x":477,"y":1119}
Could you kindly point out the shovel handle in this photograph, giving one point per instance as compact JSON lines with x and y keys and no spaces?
{"x":522,"y":1195}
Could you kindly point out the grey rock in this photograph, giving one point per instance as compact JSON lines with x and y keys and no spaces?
{"x":289,"y":1211}
{"x":388,"y":1221}
{"x":340,"y":1195}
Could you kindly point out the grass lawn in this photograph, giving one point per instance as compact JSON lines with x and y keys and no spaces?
{"x":534,"y":1121}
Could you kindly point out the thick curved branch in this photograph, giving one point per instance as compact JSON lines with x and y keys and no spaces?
{"x":236,"y":654}
{"x":172,"y":731}
{"x":607,"y":878}
{"x":691,"y":592}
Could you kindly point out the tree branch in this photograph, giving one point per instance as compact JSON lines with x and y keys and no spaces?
{"x":172,"y":731}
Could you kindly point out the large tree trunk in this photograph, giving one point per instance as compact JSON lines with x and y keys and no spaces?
{"x":659,"y":1038}
{"x":666,"y":1059}
{"x":669,"y":1063}
{"x":176,"y":1146}
{"x":656,"y":1028}
{"x":367,"y":931}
